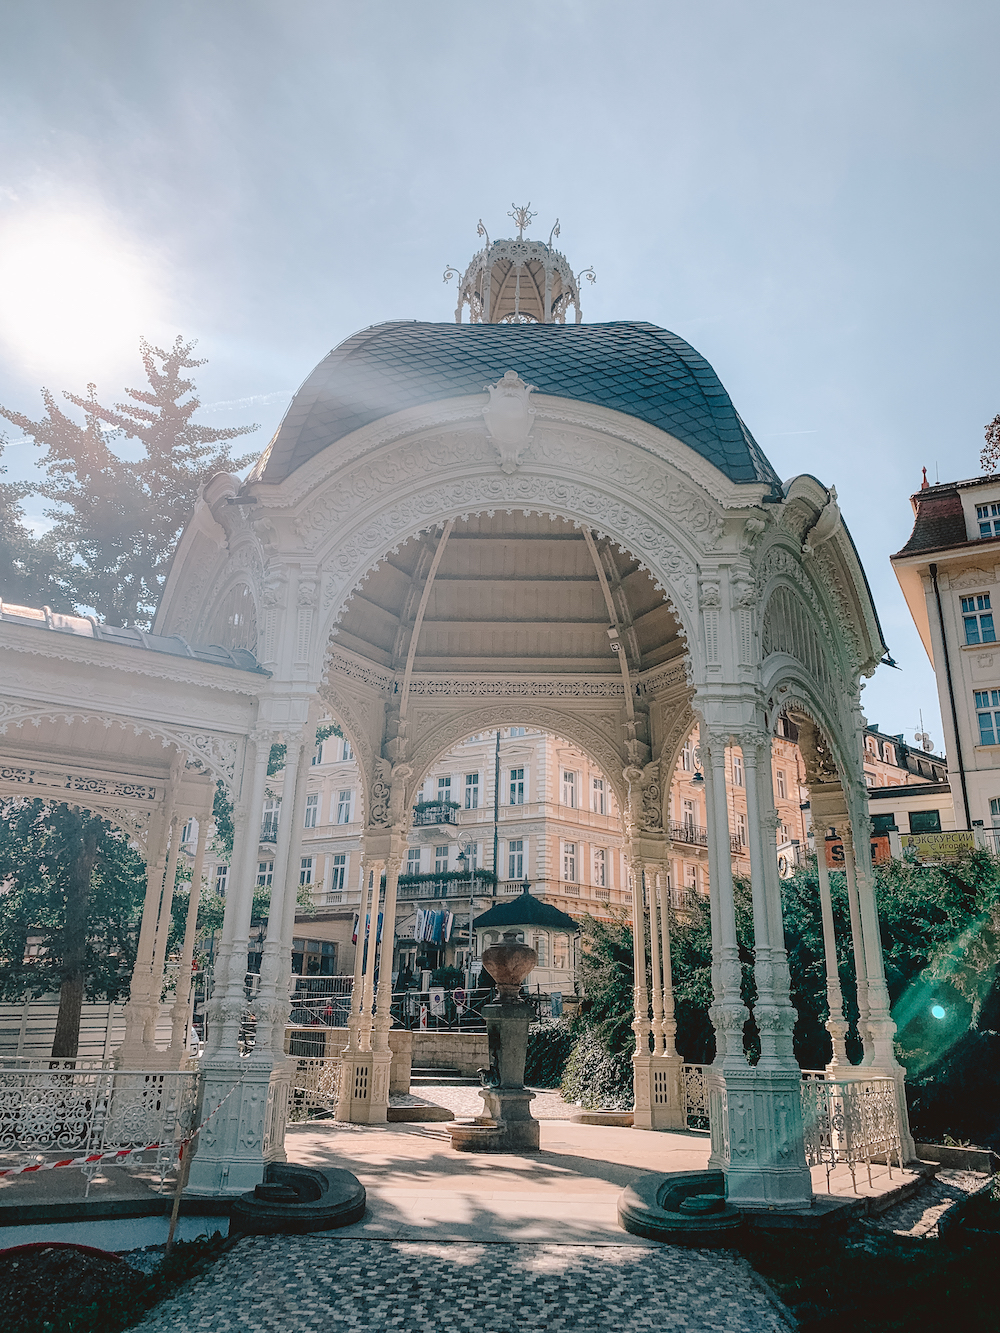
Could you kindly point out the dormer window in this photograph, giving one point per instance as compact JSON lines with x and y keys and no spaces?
{"x":988,"y":517}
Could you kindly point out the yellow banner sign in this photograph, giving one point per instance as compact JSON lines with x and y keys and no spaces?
{"x":938,"y":846}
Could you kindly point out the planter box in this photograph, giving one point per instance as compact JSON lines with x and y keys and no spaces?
{"x":959,"y":1159}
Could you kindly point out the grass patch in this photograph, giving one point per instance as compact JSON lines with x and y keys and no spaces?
{"x":112,"y":1299}
{"x":874,"y":1282}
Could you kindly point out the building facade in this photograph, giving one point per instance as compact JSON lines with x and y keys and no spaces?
{"x":949,"y":571}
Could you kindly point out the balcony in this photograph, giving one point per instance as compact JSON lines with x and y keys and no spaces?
{"x":434,"y":812}
{"x":696,"y":836}
{"x":269,"y":833}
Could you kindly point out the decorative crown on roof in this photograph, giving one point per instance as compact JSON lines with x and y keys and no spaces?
{"x":519,"y":281}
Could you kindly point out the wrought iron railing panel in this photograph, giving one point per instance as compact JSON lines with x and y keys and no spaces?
{"x":852,"y":1123}
{"x":315,"y":1085}
{"x":79,"y":1110}
{"x":695,"y":1092}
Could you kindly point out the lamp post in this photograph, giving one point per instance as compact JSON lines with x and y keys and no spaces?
{"x":465,"y":857}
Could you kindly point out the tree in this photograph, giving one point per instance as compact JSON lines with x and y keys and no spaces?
{"x":30,"y":570}
{"x":116,"y":520}
{"x":71,"y":889}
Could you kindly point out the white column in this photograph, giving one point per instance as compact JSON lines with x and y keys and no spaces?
{"x":729,"y":1013}
{"x":857,"y":942}
{"x":163,"y":925}
{"x":180,"y":1014}
{"x":269,"y":1007}
{"x":669,"y":1021}
{"x":133,"y":1052}
{"x":368,"y":967}
{"x":766,"y":1164}
{"x":283,"y":985}
{"x":228,"y":1002}
{"x":836,"y":1024}
{"x":640,"y":1023}
{"x":654,"y":959}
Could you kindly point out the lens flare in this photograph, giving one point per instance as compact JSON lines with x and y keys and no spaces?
{"x":938,"y":1011}
{"x":75,"y":295}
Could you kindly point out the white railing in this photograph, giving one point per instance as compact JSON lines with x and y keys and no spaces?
{"x":315,"y":1085}
{"x":851,"y":1122}
{"x":694,"y":1084}
{"x":89,"y":1110}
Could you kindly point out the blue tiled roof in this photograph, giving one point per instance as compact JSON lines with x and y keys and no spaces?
{"x":634,"y":368}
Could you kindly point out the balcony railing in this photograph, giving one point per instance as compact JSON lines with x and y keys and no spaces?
{"x":696,"y":836}
{"x":434,"y":814}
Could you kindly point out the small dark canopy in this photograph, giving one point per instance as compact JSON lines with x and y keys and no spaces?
{"x":525,"y":910}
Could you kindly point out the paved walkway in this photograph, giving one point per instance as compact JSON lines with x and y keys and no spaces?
{"x":290,"y":1283}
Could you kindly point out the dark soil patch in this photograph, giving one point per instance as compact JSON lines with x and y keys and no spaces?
{"x":38,"y":1282}
{"x":52,"y":1288}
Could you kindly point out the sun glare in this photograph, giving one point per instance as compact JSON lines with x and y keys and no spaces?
{"x":74,"y":297}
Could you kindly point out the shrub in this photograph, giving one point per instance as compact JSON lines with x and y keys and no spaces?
{"x":549,"y":1045}
{"x":596,"y":1077}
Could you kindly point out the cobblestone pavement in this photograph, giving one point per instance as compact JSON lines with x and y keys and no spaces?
{"x":293,"y":1283}
{"x":548,"y":1103}
{"x":918,"y":1215}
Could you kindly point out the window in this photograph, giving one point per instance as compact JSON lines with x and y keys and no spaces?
{"x":346,"y":751}
{"x":691,"y":873}
{"x":598,"y":797}
{"x":472,"y":791}
{"x":187,"y":832}
{"x":738,"y":778}
{"x":444,"y":789}
{"x":989,"y":722}
{"x":312,"y":810}
{"x":540,"y":944}
{"x":569,"y":788}
{"x":317,"y":756}
{"x":413,"y":861}
{"x":471,"y":858}
{"x":687,"y":757}
{"x":600,"y":867}
{"x":517,"y":786}
{"x":925,"y":821}
{"x":265,"y":874}
{"x":344,"y":807}
{"x":888,"y":752}
{"x":978,"y":619}
{"x":741,"y":828}
{"x":221,"y":880}
{"x":689,"y":814}
{"x":441,"y":859}
{"x":989,"y":520}
{"x":306,"y":870}
{"x":560,"y":951}
{"x":782,"y":785}
{"x":569,"y":862}
{"x":269,"y":823}
{"x":995,"y":812}
{"x":515,"y":859}
{"x":882,"y":824}
{"x":339,"y":872}
{"x":518,"y":731}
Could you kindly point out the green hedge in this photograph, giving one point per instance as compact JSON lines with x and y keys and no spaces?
{"x":597,"y":1078}
{"x":549,"y":1045}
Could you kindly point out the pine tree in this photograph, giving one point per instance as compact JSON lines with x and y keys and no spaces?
{"x":117,"y":520}
{"x":30,"y":570}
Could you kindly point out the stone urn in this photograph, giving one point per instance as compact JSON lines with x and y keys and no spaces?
{"x":507,"y":1124}
{"x":508,"y":964}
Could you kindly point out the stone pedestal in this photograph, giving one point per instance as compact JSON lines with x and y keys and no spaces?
{"x":246,"y":1132}
{"x":763,"y":1153}
{"x":659,"y":1100}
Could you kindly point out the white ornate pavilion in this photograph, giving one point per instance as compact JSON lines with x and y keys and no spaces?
{"x":515,"y":520}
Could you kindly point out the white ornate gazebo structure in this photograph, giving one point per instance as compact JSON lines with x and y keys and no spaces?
{"x":519,"y":520}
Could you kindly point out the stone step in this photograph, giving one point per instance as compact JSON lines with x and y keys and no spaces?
{"x":423,"y":1076}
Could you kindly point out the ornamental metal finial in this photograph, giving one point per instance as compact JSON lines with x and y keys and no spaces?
{"x":519,"y":281}
{"x":522,"y":216}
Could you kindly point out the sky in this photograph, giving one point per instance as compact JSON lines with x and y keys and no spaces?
{"x":806,"y":192}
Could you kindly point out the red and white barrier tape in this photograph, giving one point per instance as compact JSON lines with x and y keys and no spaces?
{"x":117,"y":1154}
{"x":112,"y":1155}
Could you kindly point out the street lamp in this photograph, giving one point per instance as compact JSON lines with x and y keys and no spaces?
{"x":465,"y":856}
